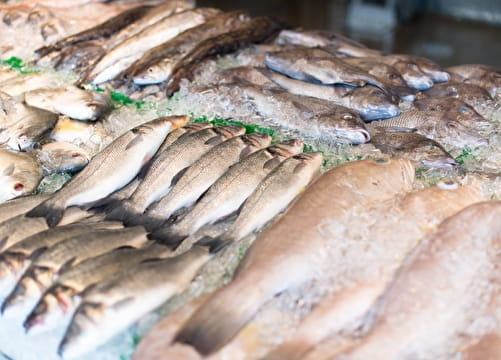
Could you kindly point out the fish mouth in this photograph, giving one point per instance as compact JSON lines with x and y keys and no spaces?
{"x":419,"y":83}
{"x":355,"y":136}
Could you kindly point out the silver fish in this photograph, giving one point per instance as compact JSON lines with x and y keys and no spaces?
{"x":70,"y":101}
{"x":16,"y":259}
{"x":176,"y":134}
{"x":228,"y":193}
{"x":202,"y":174}
{"x":23,"y":83}
{"x":20,"y":174}
{"x":370,"y":102}
{"x":126,"y":53}
{"x":434,"y":125}
{"x":114,"y":305}
{"x":62,"y":256}
{"x":21,"y":126}
{"x":62,"y":297}
{"x":57,"y":157}
{"x":105,"y":173}
{"x":20,"y":205}
{"x":158,"y":180}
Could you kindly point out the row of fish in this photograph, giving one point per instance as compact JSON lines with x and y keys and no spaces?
{"x":55,"y":255}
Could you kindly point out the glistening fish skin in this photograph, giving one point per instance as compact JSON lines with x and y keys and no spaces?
{"x":20,"y":205}
{"x":114,"y":305}
{"x":434,"y":125}
{"x":16,"y":259}
{"x":370,"y":102}
{"x":165,"y":166}
{"x":57,"y":157}
{"x":418,"y":148}
{"x":203,"y":173}
{"x":105,"y":173}
{"x":228,"y":193}
{"x":60,"y":257}
{"x":260,"y":275}
{"x":176,"y":134}
{"x":20,"y":174}
{"x":61,"y":298}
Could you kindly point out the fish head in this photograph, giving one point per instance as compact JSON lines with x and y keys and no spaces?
{"x":20,"y":182}
{"x":345,"y":125}
{"x":254,"y":142}
{"x":155,"y":74}
{"x":160,"y":127}
{"x":455,"y":133}
{"x":417,"y":80}
{"x":304,"y":38}
{"x":309,"y":160}
{"x":63,"y":157}
{"x":229,"y":131}
{"x":374,"y":103}
{"x":432,"y":69}
{"x":289,"y":147}
{"x":468,"y":116}
{"x":430,"y":154}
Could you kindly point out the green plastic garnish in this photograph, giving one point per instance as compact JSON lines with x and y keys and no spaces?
{"x":18,"y":64}
{"x":249,"y":128}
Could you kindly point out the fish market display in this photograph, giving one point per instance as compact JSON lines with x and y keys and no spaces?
{"x":260,"y":192}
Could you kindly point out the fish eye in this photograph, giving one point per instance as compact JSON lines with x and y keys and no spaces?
{"x":18,"y":186}
{"x":347,"y":116}
{"x":452,"y":124}
{"x":431,"y":146}
{"x":463,"y":109}
{"x":150,"y":70}
{"x":393,"y":76}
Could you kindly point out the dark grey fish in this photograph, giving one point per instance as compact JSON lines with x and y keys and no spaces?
{"x":409,"y":70}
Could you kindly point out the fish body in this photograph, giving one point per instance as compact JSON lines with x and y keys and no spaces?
{"x":435,"y":285}
{"x":106,"y":172}
{"x":418,"y":148}
{"x":156,"y":65}
{"x":20,"y":174}
{"x":334,"y":43}
{"x":241,"y":74}
{"x":63,"y":255}
{"x":254,"y":31}
{"x":293,"y":245}
{"x":487,"y":77}
{"x":114,"y":305}
{"x":309,"y":116}
{"x":21,"y":126}
{"x":71,"y":101}
{"x":180,"y":155}
{"x":57,"y":157}
{"x":176,"y":134}
{"x":203,"y":173}
{"x":370,"y":102}
{"x":61,"y":298}
{"x":127,"y":52}
{"x":15,"y":259}
{"x":23,"y":83}
{"x":455,"y":109}
{"x":411,"y":73}
{"x":317,"y":68}
{"x":434,"y":125}
{"x":228,"y":193}
{"x":20,"y":205}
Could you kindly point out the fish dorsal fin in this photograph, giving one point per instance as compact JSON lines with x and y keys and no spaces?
{"x":35,"y":254}
{"x":272,"y":163}
{"x":215,"y":140}
{"x":67,"y":265}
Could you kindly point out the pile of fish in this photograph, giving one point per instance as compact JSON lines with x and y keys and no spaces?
{"x":391,"y":256}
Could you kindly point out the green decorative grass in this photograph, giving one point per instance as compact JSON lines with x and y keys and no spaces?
{"x":249,"y":128}
{"x":18,"y":64}
{"x":465,"y":154}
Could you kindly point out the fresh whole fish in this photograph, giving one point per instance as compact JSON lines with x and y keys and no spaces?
{"x":60,"y":257}
{"x":157,"y":64}
{"x":21,"y":126}
{"x":159,"y":178}
{"x":334,"y":43}
{"x":71,"y":101}
{"x":338,"y":314}
{"x":254,"y":31}
{"x":436,"y":285}
{"x":114,"y":305}
{"x":126,"y":53}
{"x":20,"y":174}
{"x":427,"y":66}
{"x":315,"y":67}
{"x":418,"y":148}
{"x":274,"y":194}
{"x":455,"y":109}
{"x":20,"y":84}
{"x":202,"y":174}
{"x":16,"y":258}
{"x":228,"y":193}
{"x":387,"y":74}
{"x":61,"y":298}
{"x":434,"y":125}
{"x":19,"y":227}
{"x":475,"y":96}
{"x":57,"y":157}
{"x":487,"y":77}
{"x":98,"y":32}
{"x":20,"y":205}
{"x":260,"y":275}
{"x":370,"y":102}
{"x":310,"y":116}
{"x":106,"y":172}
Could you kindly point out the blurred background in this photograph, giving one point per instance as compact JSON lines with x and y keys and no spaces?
{"x":450,"y":32}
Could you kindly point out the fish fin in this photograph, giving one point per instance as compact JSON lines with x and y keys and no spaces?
{"x":67,"y":265}
{"x":214,"y":244}
{"x":123,"y":211}
{"x":178,"y":176}
{"x":164,"y":236}
{"x":216,"y":322}
{"x":9,"y":170}
{"x":272,"y":163}
{"x":215,"y":140}
{"x":246,"y":151}
{"x":150,"y":223}
{"x":51,"y":211}
{"x":139,"y":138}
{"x":3,"y":242}
{"x":37,"y":252}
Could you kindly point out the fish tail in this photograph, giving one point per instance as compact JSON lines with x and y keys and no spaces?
{"x":150,"y":223}
{"x":124,"y":211}
{"x":221,"y":317}
{"x":166,"y":237}
{"x":214,"y":244}
{"x":52,"y":212}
